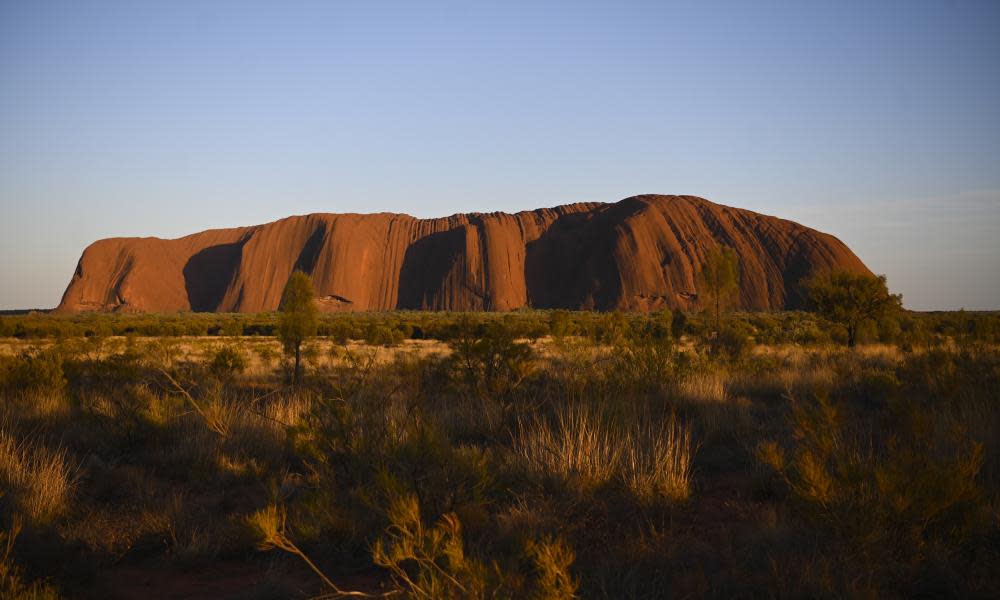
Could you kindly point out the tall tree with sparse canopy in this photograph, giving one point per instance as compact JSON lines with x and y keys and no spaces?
{"x":298,"y":318}
{"x":719,"y":280}
{"x":851,"y":299}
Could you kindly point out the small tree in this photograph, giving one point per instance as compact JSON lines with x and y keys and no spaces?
{"x":851,"y":299}
{"x":298,"y":318}
{"x":719,"y":280}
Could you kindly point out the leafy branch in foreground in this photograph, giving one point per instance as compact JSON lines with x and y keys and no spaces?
{"x":428,"y":562}
{"x":269,"y":524}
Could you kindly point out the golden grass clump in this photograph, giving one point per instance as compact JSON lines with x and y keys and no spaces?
{"x":656,"y":460}
{"x":704,"y":388}
{"x":578,"y":446}
{"x":40,"y":480}
{"x":653,"y":460}
{"x":553,"y":558}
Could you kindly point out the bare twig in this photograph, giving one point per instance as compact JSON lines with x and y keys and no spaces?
{"x":213,"y":424}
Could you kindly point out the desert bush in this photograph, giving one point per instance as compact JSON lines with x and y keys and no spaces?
{"x":679,"y":324}
{"x":38,"y":370}
{"x":493,"y":363}
{"x":260,"y":431}
{"x":163,"y":353}
{"x":970,"y":381}
{"x":889,"y":329}
{"x":643,"y":365}
{"x":802,"y":328}
{"x":895,"y":501}
{"x":361,"y":421}
{"x":227,"y":362}
{"x":266,"y":354}
{"x":610,"y":329}
{"x":380,"y":335}
{"x":446,"y":477}
{"x":232,"y":328}
{"x":339,"y":331}
{"x":312,"y":355}
{"x":767,"y":329}
{"x":559,"y":324}
{"x":873,"y":385}
{"x":367,"y":428}
{"x":967,"y":375}
{"x":733,"y":341}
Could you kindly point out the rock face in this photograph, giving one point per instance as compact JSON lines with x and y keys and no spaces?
{"x":642,"y":253}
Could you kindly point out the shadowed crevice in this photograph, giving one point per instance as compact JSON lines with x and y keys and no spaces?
{"x":208,"y":273}
{"x":573,"y":265}
{"x":427,"y":264}
{"x":309,"y":255}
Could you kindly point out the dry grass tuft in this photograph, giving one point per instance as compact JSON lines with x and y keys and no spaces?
{"x":656,"y":460}
{"x":578,"y":446}
{"x":40,"y":481}
{"x":704,"y":388}
{"x":652,"y":459}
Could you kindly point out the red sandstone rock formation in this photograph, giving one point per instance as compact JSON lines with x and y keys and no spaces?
{"x":642,"y":253}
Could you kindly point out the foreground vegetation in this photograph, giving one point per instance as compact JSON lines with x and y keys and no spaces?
{"x":535,"y":454}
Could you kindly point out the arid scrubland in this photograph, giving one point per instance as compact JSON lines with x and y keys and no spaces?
{"x":546,"y":455}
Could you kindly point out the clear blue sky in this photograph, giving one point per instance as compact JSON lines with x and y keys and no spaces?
{"x":878,"y":122}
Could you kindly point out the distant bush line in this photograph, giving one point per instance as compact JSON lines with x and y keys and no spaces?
{"x":798,"y":327}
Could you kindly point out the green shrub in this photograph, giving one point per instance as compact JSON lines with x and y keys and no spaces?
{"x":38,"y":370}
{"x":733,"y":341}
{"x":893,"y":500}
{"x":227,"y":362}
{"x":232,"y":328}
{"x":312,"y":355}
{"x":679,"y":324}
{"x":492,"y":363}
{"x":380,"y":335}
{"x":266,"y":354}
{"x":559,"y":324}
{"x":644,"y":362}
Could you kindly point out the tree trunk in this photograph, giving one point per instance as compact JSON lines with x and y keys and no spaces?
{"x":852,"y":335}
{"x":718,"y":314}
{"x":298,"y":356}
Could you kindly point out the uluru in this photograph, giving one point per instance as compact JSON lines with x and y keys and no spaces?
{"x":639,"y":254}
